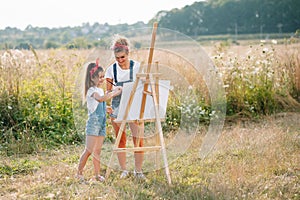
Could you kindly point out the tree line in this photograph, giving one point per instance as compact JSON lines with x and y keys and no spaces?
{"x":233,"y":16}
{"x":211,"y":17}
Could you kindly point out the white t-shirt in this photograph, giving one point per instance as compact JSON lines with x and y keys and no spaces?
{"x":91,"y":102}
{"x":122,"y":74}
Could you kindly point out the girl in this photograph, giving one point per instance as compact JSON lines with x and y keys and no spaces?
{"x":96,"y":122}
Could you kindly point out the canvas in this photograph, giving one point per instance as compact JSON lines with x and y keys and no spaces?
{"x":149,"y":113}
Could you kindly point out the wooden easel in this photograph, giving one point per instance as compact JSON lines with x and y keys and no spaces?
{"x":152,"y":79}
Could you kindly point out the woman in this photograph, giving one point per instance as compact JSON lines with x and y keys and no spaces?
{"x":124,"y":70}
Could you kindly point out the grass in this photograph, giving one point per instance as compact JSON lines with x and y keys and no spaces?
{"x":252,"y":160}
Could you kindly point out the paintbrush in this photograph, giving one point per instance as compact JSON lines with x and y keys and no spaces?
{"x":111,"y":82}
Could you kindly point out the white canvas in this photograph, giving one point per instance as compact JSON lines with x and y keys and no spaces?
{"x":149,"y":113}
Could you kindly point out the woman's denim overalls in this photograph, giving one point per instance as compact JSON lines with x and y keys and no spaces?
{"x":116,"y":100}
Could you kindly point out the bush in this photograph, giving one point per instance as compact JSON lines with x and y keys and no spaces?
{"x":36,"y":102}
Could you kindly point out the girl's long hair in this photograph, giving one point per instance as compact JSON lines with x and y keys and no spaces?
{"x":89,"y":76}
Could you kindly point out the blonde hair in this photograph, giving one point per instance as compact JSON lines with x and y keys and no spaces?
{"x":120,"y":44}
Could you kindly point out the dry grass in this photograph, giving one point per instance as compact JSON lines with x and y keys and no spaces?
{"x":252,"y":160}
{"x":262,"y":159}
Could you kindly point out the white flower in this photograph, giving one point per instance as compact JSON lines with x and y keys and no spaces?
{"x":274,"y":41}
{"x":265,"y":49}
{"x":256,"y":70}
{"x":212,"y":113}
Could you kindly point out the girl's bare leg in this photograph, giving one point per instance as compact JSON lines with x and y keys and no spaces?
{"x":85,"y":155}
{"x":98,"y":142}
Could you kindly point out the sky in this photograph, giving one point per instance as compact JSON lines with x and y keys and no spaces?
{"x":62,"y":13}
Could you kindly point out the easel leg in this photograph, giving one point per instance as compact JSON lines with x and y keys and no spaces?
{"x":116,"y":145}
{"x":157,"y":143}
{"x":159,"y":128}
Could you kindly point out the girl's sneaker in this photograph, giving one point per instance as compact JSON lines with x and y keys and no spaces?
{"x":139,"y":175}
{"x":124,"y":174}
{"x":80,"y":178}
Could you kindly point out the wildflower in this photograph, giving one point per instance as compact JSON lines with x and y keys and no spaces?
{"x":265,"y":50}
{"x":274,"y":41}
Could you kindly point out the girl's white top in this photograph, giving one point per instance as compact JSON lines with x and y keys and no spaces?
{"x":122,"y":74}
{"x":92,"y":103}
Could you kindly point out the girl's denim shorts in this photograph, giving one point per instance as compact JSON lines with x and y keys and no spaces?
{"x":96,"y":123}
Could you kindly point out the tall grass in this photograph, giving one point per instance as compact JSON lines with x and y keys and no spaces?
{"x":36,"y":99}
{"x":36,"y":91}
{"x":260,"y":81}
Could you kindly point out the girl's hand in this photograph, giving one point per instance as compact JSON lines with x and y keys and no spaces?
{"x":117,"y":90}
{"x":112,"y":93}
{"x":109,"y":109}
